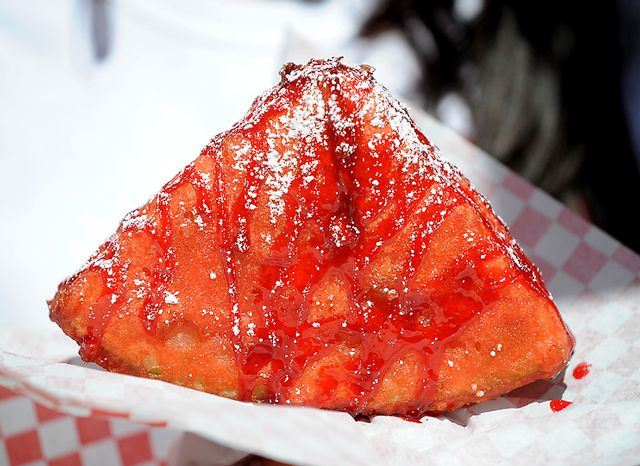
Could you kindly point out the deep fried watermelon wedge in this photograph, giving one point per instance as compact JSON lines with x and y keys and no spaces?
{"x":319,"y":253}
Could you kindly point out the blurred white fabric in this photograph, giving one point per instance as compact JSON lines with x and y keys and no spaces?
{"x":82,"y":143}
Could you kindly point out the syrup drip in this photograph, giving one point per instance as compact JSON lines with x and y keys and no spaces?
{"x":559,"y":405}
{"x":410,"y":419}
{"x":581,"y":370}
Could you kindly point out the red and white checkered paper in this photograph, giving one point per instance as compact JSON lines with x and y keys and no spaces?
{"x":113,"y":419}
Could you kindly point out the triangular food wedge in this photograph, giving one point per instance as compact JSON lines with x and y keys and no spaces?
{"x":319,"y":253}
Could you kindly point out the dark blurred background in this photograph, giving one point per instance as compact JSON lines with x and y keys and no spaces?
{"x":551,"y":88}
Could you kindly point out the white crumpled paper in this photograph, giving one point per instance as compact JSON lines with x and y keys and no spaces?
{"x":596,"y":283}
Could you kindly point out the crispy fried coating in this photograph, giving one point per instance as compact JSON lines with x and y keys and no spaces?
{"x":319,"y":253}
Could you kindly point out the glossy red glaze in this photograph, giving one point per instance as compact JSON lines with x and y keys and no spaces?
{"x":559,"y":405}
{"x":338,"y":204}
{"x":581,"y":370}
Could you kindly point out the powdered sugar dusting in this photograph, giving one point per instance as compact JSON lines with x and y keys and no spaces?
{"x":302,"y":125}
{"x":135,"y":220}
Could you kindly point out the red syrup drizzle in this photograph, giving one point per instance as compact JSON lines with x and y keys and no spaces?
{"x":559,"y":405}
{"x":112,"y":274}
{"x":383,"y":328}
{"x":581,"y":370}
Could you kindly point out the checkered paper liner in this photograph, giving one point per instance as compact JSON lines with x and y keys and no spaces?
{"x":116,"y":419}
{"x":33,"y":434}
